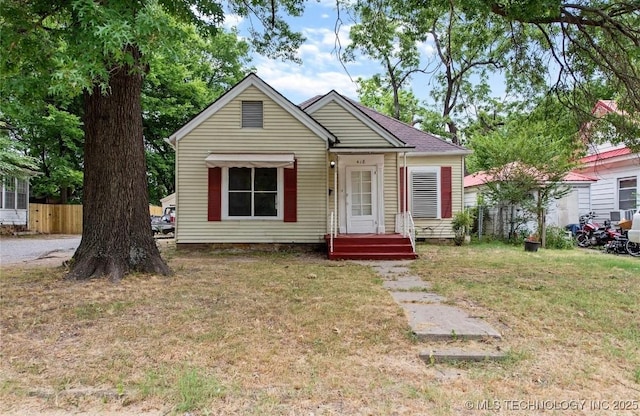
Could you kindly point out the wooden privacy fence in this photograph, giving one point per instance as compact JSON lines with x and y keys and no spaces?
{"x":62,"y":219}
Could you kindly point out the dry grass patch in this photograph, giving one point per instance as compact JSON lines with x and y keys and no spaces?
{"x":269,"y":334}
{"x":284,"y":334}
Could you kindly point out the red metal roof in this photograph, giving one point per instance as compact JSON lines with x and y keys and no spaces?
{"x":606,"y":155}
{"x":482,"y":177}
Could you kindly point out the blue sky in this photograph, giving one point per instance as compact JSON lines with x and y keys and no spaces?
{"x":321,"y":70}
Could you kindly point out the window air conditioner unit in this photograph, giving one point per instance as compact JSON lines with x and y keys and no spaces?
{"x":617,"y":216}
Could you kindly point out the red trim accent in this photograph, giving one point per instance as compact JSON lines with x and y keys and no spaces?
{"x":446,"y":192}
{"x":403,"y":189}
{"x":291,"y":193}
{"x":214,"y":209}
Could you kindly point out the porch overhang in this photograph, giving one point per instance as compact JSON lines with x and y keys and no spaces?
{"x":250,"y":160}
{"x":370,"y":150}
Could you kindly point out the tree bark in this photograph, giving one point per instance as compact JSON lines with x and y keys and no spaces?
{"x":116,"y":233}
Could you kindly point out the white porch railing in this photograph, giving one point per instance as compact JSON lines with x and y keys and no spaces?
{"x":406,"y":226}
{"x":331,"y":231}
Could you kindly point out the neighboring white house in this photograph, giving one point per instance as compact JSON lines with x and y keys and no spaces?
{"x":560,"y":212}
{"x":255,"y":168}
{"x":168,"y":201}
{"x":14,"y":201}
{"x":616,"y":192}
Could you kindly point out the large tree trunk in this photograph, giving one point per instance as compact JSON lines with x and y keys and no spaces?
{"x":116,"y":233}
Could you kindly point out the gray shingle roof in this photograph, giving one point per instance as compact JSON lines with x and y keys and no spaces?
{"x":420,"y":140}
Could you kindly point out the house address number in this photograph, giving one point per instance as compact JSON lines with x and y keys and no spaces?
{"x":361,"y":162}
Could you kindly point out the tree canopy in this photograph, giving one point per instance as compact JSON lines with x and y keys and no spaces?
{"x":541,"y":48}
{"x":98,"y":54}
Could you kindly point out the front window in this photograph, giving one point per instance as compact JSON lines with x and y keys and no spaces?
{"x":424,"y":193}
{"x":21,"y":191}
{"x":627,"y":193}
{"x":253,"y":192}
{"x":9,"y":193}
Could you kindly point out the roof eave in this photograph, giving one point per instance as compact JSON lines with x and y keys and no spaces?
{"x":444,"y":153}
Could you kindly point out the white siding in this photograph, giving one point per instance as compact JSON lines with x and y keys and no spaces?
{"x":222,"y":132}
{"x":604,"y":193}
{"x":13,"y":217}
{"x":350,"y":131}
{"x":568,"y":209}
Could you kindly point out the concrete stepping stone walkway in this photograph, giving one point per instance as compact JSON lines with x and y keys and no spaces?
{"x":431,"y":319}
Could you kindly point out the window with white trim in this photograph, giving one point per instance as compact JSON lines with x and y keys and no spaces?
{"x":627,"y":193}
{"x":424,"y":185}
{"x":252,"y":114}
{"x":21,"y":193}
{"x":9,"y":193}
{"x":253,"y":192}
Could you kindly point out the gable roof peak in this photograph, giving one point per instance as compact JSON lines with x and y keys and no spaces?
{"x":253,"y":80}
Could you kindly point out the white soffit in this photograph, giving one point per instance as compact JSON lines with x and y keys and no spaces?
{"x":250,"y":160}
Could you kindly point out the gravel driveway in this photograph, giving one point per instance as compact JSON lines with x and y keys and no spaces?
{"x":26,"y":249}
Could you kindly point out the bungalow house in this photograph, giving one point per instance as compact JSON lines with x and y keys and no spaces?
{"x":255,"y":168}
{"x":616,"y":192}
{"x":503,"y":219}
{"x":14,"y":201}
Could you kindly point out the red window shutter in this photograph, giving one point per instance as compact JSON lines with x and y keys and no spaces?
{"x":403,"y":188}
{"x":291,"y":193}
{"x":215,"y":194}
{"x":446,"y":199}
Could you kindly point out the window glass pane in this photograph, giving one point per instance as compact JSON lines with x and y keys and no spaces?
{"x":239,"y":179}
{"x":9,"y":193}
{"x":266,"y":179}
{"x":22,"y":194}
{"x":366,"y":209}
{"x":628,"y":183}
{"x":265,"y":204}
{"x":627,"y":190}
{"x":239,"y":204}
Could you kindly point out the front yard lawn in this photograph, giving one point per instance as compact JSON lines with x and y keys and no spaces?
{"x":297,"y":334}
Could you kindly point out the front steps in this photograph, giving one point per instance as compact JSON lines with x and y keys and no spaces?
{"x":370,"y":247}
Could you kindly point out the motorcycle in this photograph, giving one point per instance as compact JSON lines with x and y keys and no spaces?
{"x":592,"y":234}
{"x":621,"y":245}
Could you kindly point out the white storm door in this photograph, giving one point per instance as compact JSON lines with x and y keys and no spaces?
{"x":361,"y":199}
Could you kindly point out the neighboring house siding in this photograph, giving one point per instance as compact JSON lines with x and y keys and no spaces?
{"x":561,"y":212}
{"x":14,"y":201}
{"x":13,"y":217}
{"x":604,"y":193}
{"x":567,"y":210}
{"x":350,"y":131}
{"x":440,"y":228}
{"x":281,"y":133}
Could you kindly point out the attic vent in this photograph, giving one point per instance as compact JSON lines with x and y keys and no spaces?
{"x":252,"y":114}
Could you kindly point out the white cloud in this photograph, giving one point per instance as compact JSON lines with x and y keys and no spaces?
{"x":232,"y":20}
{"x":299,"y":83}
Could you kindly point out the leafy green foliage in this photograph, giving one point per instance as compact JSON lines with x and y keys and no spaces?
{"x":13,"y":162}
{"x":557,"y":238}
{"x":187,"y":70}
{"x":528,"y":156}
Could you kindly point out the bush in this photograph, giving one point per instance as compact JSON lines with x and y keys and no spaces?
{"x":557,"y":238}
